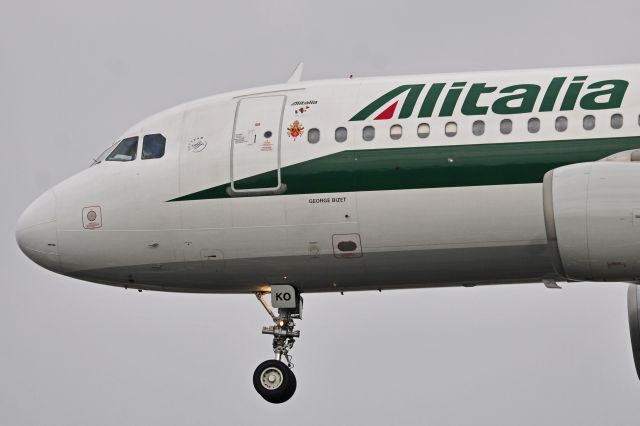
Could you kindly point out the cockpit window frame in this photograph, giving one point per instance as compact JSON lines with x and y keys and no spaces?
{"x":100,"y":158}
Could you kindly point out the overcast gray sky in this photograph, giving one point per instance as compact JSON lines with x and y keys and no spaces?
{"x":75,"y":74}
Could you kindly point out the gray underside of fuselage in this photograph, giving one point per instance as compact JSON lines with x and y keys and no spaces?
{"x":327,"y":273}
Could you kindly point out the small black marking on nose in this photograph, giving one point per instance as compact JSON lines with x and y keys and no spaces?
{"x":347,"y":246}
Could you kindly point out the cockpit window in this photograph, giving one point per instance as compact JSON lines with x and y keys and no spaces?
{"x":125,"y":151}
{"x":153,"y":146}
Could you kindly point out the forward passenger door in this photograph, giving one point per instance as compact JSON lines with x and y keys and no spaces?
{"x":255,"y":146}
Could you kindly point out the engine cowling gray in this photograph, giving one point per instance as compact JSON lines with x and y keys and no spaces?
{"x":633,"y":302}
{"x":592,"y":219}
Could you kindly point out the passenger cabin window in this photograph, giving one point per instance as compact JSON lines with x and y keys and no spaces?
{"x":153,"y":146}
{"x":395,"y":132}
{"x":341,"y":134}
{"x":424,"y":129}
{"x":533,"y":125}
{"x":478,"y":128}
{"x":617,"y":121}
{"x":368,"y":133}
{"x":126,"y":150}
{"x":451,"y":129}
{"x":313,"y":136}
{"x":562,"y":123}
{"x":589,"y":122}
{"x":506,"y":126}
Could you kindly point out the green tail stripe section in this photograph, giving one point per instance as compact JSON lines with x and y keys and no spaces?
{"x":429,"y":167}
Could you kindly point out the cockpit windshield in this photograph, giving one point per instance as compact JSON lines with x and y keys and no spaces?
{"x":153,"y":146}
{"x":126,"y":150}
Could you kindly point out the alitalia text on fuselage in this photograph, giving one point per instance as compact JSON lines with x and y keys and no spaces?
{"x":473,"y":98}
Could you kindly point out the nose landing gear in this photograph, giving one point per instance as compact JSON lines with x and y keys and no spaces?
{"x":273,"y":379}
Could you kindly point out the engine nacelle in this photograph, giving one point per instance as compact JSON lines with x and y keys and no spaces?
{"x":633,"y":302}
{"x":592,"y":218}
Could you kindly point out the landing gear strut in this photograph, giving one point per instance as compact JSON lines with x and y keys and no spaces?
{"x":273,"y":379}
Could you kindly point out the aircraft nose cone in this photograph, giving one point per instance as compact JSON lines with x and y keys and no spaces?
{"x":36,"y":232}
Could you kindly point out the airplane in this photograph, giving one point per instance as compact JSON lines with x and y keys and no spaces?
{"x":352,"y":184}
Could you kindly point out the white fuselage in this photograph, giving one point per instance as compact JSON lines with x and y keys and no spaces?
{"x":281,"y":184}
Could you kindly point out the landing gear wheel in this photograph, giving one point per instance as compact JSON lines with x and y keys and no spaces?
{"x":274,"y":381}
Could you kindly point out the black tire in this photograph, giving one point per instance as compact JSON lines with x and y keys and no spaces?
{"x":284,"y":381}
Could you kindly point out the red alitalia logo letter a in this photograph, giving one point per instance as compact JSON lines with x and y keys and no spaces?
{"x":406,"y":110}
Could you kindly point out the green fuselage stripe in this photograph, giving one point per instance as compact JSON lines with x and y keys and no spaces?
{"x":429,"y":167}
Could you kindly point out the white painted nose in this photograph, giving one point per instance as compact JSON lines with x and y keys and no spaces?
{"x":36,"y":232}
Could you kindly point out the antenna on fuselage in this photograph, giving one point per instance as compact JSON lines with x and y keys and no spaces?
{"x":296,"y":75}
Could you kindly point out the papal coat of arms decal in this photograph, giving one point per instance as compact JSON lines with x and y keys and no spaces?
{"x":295,"y":130}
